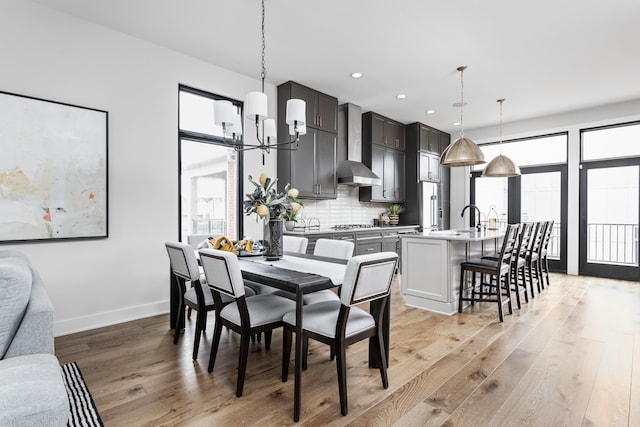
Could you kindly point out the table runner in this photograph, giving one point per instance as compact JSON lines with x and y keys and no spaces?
{"x":333,"y":271}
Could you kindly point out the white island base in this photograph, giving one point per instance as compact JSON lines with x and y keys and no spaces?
{"x":431,"y":265}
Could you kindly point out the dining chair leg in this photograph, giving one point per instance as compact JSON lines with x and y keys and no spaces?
{"x":217,"y":333}
{"x":242,"y":363}
{"x":267,"y":339}
{"x":196,"y":338}
{"x":287,"y":336}
{"x":379,"y":344}
{"x":189,"y":313}
{"x":514,"y":276}
{"x":342,"y":376}
{"x":180,"y":315}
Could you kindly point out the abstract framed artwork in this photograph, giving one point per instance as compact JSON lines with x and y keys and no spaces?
{"x":53,"y":170}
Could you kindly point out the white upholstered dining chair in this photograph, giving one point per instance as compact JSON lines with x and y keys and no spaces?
{"x":246,"y":316}
{"x":184,"y":268}
{"x":341,"y":323}
{"x":330,"y":248}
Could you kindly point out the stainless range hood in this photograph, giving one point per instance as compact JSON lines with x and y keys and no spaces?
{"x":352,"y":171}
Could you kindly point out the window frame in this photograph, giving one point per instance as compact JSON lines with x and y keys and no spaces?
{"x":214,"y":140}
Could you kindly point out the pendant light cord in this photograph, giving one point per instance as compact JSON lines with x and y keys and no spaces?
{"x":461,"y":69}
{"x":263,"y":72}
{"x":500,"y":101}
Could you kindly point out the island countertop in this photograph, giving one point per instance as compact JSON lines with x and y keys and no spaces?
{"x":460,"y":235}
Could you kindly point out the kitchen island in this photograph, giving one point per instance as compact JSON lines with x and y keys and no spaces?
{"x":431,"y":265}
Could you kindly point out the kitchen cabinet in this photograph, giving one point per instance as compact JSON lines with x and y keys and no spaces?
{"x":424,"y":145}
{"x":429,"y":167}
{"x":429,"y":139}
{"x":383,"y":131}
{"x":312,"y":167}
{"x":321,"y":109}
{"x":445,"y":140}
{"x":431,"y":265}
{"x":368,"y":243}
{"x":385,"y":160}
{"x":389,"y":165}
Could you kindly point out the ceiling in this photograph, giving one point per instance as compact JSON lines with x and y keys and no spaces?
{"x":544,"y":57}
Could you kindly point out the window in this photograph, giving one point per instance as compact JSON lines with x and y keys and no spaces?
{"x":611,"y":142}
{"x":535,"y":151}
{"x":210,"y":186}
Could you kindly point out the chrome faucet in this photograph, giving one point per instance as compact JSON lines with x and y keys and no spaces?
{"x":478,"y":226}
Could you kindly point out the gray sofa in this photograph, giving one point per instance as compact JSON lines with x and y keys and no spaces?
{"x":32,"y":392}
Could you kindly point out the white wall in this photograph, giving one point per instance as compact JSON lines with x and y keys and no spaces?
{"x":569,"y":122}
{"x":57,"y":57}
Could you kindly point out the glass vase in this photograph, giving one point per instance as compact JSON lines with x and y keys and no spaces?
{"x":273,"y":233}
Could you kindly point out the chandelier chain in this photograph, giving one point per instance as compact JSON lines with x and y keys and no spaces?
{"x":263,"y":72}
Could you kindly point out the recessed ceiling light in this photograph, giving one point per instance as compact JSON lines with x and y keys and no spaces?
{"x":430,"y":111}
{"x":356,"y":75}
{"x":456,"y":123}
{"x":401,"y":96}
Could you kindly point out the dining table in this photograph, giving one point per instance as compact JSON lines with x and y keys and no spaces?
{"x":299,"y":274}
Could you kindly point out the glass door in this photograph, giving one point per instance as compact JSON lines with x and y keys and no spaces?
{"x":541,"y":200}
{"x":609,"y":217}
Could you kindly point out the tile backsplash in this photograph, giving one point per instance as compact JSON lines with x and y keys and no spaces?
{"x":346,"y":209}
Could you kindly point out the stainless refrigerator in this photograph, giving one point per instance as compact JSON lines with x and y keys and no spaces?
{"x":433,"y":217}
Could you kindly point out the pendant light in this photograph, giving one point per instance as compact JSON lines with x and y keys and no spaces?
{"x":256,"y":113}
{"x":463,"y":152}
{"x":501,"y":166}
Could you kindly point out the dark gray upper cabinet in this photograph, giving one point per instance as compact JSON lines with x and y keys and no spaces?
{"x":383,"y":146}
{"x":424,"y":146}
{"x":321,"y":109}
{"x":312,"y":167}
{"x":385,"y":131}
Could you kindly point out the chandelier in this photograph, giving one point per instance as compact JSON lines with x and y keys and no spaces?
{"x":463,"y":152}
{"x":256,"y":113}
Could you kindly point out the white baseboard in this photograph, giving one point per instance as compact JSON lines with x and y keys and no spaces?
{"x":108,"y":318}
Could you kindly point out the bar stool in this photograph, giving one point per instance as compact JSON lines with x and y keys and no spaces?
{"x":497,"y":270}
{"x":532,"y":257}
{"x":544,"y":262}
{"x":518,"y":262}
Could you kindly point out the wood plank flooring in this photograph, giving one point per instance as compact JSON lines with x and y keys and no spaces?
{"x":571,"y":356}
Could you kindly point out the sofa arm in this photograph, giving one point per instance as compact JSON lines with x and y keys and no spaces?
{"x":35,"y":334}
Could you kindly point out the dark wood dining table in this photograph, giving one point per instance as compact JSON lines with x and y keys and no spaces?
{"x":299,"y":283}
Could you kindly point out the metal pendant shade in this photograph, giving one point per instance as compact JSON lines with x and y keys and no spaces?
{"x":501,"y":166}
{"x":463,"y":152}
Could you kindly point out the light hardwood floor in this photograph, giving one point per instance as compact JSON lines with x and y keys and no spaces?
{"x":569,"y":357}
